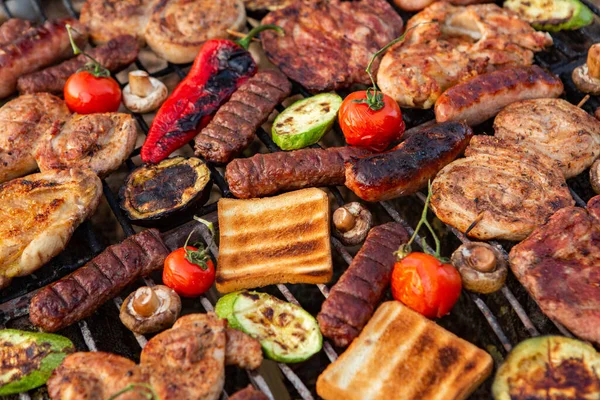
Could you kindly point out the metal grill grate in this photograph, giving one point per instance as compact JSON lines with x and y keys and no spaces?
{"x":499,"y":310}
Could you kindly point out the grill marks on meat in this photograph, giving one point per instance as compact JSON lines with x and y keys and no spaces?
{"x":13,"y":29}
{"x":266,"y":174}
{"x":233,"y":127}
{"x":107,"y":19}
{"x":328,"y":44}
{"x":115,"y":55}
{"x":79,"y":294}
{"x":353,"y":298}
{"x":559,"y":265}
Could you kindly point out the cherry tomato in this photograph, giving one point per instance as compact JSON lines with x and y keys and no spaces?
{"x":369,"y":128}
{"x":426,"y":285}
{"x":188,"y":279}
{"x":87,"y":94}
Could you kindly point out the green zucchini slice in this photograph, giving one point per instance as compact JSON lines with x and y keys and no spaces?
{"x":224,"y":309}
{"x":552,"y":15}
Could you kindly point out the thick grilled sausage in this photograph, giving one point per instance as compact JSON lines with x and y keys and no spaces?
{"x":79,"y":294}
{"x":115,"y":55}
{"x":408,"y":167}
{"x":483,"y":96}
{"x":266,"y":174}
{"x":353,"y":298}
{"x":36,"y":49}
{"x":13,"y":29}
{"x":233,"y":127}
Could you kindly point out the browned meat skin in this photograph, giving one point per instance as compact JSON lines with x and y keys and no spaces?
{"x":559,"y":265}
{"x":265,"y":174}
{"x":114,"y":55}
{"x":353,"y":298}
{"x":242,"y":350}
{"x":408,"y":167}
{"x":248,"y":393}
{"x":36,"y":49}
{"x":79,"y":294}
{"x":328,"y":44}
{"x":13,"y":29}
{"x":483,"y":96}
{"x":234,"y":125}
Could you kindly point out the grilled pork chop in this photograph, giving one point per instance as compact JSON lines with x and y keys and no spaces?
{"x":504,"y":190}
{"x":107,"y":19}
{"x":38,"y":216}
{"x":559,"y":265}
{"x":100,"y":142}
{"x":555,"y":127}
{"x":22,"y":122}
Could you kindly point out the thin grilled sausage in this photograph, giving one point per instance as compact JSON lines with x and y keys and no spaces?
{"x":266,"y":174}
{"x":234,"y":125}
{"x":82,"y":292}
{"x":408,"y":167}
{"x":352,"y":300}
{"x":483,"y":96}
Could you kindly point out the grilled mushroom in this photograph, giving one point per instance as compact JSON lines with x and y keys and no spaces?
{"x":482,"y":267}
{"x":144,"y":93}
{"x":150,"y":309}
{"x":352,"y":222}
{"x":595,"y":176}
{"x":587,"y":76}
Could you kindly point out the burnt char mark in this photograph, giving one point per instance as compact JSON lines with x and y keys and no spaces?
{"x":19,"y":361}
{"x":442,"y":366}
{"x":164,"y":190}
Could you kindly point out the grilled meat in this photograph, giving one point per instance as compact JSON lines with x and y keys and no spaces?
{"x":100,"y":142}
{"x":233,"y":127}
{"x":35,"y":49}
{"x":328,"y":44}
{"x":559,"y":265}
{"x":503,"y":189}
{"x":23,"y":121}
{"x":249,"y":393}
{"x":353,"y":299}
{"x":461,"y":43}
{"x":483,"y":96}
{"x":79,"y":294}
{"x":107,"y":19}
{"x":555,"y":127}
{"x":13,"y":29}
{"x":115,"y":55}
{"x":266,"y":174}
{"x":242,"y":350}
{"x":418,"y":5}
{"x":410,"y":165}
{"x":38,"y":216}
{"x":256,"y":5}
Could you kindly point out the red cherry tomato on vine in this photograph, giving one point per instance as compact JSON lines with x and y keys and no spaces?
{"x":371,"y":128}
{"x":425,"y":284}
{"x":87,"y":94}
{"x":189,"y":272}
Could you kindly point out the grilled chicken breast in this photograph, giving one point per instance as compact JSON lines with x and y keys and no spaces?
{"x":107,"y":19}
{"x":22,"y":122}
{"x":100,"y":142}
{"x":461,"y":42}
{"x":556,"y":128}
{"x":503,"y":189}
{"x":38,"y":216}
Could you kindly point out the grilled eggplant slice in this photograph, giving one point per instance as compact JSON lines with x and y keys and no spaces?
{"x":162,"y":194}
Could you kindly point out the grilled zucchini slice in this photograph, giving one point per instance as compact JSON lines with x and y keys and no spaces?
{"x":552,"y":15}
{"x":224,"y":309}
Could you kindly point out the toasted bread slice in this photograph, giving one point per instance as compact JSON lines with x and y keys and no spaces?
{"x":402,"y":355}
{"x":281,"y":239}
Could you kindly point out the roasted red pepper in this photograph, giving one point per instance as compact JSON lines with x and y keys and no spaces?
{"x":219,"y":69}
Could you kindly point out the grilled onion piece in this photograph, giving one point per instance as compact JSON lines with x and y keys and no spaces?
{"x":482,"y":267}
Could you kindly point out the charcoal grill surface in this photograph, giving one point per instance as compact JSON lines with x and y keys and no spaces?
{"x":494,"y":322}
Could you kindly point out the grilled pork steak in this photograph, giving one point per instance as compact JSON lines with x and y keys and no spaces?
{"x":559,"y":265}
{"x":107,"y":19}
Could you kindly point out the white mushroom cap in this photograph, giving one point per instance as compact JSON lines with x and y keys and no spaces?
{"x":144,"y":93}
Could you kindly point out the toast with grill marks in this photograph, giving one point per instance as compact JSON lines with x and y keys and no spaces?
{"x":402,"y":355}
{"x":282,"y":239}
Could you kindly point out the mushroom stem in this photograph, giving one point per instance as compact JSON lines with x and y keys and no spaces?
{"x":145,"y":302}
{"x":343,"y":220}
{"x":482,"y":259}
{"x":140,"y":83}
{"x":593,"y":60}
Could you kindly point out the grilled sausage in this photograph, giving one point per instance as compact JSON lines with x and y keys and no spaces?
{"x":408,"y":167}
{"x":483,"y":96}
{"x":266,"y":174}
{"x":36,"y":49}
{"x":79,"y":294}
{"x":353,"y":298}
{"x":115,"y":55}
{"x":13,"y":29}
{"x":233,"y":127}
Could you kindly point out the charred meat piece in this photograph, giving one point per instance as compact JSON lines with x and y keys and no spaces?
{"x":410,"y":165}
{"x":115,"y":55}
{"x":353,"y":299}
{"x":559,"y":265}
{"x":79,"y":294}
{"x":13,"y":29}
{"x":265,"y":174}
{"x":23,"y":121}
{"x":249,"y":393}
{"x":233,"y":127}
{"x":107,"y":19}
{"x":100,"y":142}
{"x":37,"y":48}
{"x":328,"y":44}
